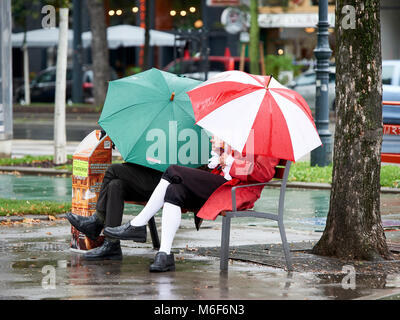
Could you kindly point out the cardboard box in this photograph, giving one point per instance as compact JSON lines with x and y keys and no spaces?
{"x":90,"y":162}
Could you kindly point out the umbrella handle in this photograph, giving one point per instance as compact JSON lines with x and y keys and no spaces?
{"x":172,"y":96}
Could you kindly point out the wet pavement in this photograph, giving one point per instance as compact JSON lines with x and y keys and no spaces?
{"x":309,"y":216}
{"x":36,"y":263}
{"x":33,"y":254}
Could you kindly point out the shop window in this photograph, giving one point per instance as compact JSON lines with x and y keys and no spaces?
{"x":316,"y":2}
{"x":246,"y":66}
{"x":274,"y":3}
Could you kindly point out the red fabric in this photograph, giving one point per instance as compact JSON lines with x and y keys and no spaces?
{"x":269,"y":133}
{"x":210,"y":97}
{"x":217,"y":170}
{"x":243,"y":171}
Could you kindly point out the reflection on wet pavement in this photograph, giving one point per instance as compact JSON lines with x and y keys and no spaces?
{"x":27,"y":265}
{"x":304,"y":209}
{"x":31,"y":255}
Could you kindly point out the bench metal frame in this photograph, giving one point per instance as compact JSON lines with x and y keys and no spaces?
{"x":227,"y":216}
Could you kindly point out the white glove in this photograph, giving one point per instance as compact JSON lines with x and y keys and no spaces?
{"x":213,"y":162}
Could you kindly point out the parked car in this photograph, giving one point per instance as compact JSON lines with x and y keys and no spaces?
{"x":305,"y":85}
{"x":193,"y":67}
{"x":391,"y":90}
{"x":43,"y":86}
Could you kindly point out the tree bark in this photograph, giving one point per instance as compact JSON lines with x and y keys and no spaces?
{"x":100,"y":57}
{"x":354,"y":228}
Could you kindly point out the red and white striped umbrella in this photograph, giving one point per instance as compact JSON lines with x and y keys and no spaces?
{"x":238,"y":107}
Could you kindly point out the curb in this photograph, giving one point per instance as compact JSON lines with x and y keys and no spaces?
{"x":30,"y":216}
{"x":35,"y":171}
{"x":322,"y":186}
{"x":50,"y":109}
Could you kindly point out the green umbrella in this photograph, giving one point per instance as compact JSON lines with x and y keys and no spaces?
{"x":150,"y":119}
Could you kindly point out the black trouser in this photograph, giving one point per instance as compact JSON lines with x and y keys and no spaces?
{"x":124,"y":182}
{"x":190,"y":188}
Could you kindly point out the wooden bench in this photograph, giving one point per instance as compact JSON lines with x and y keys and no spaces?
{"x":281,"y":175}
{"x":391,"y":129}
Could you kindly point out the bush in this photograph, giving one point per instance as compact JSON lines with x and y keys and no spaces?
{"x":275,"y":64}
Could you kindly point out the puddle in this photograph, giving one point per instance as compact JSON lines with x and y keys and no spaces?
{"x":35,"y":187}
{"x":28,"y":267}
{"x":307,"y":209}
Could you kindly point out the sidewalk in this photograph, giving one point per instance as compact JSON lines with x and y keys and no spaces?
{"x":29,"y":249}
{"x":256,"y":270}
{"x":23,"y":147}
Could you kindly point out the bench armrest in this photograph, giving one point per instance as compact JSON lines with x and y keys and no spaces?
{"x":233,"y":192}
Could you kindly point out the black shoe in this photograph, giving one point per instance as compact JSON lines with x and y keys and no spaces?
{"x":89,"y":226}
{"x":163,"y":262}
{"x":127,"y":232}
{"x":110,"y":250}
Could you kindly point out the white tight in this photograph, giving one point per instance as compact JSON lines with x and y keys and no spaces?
{"x":154,"y":204}
{"x":171,"y":215}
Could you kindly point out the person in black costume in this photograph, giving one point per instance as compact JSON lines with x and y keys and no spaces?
{"x":133,"y":182}
{"x":122,"y":182}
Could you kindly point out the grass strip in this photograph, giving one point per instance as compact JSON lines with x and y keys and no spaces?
{"x":21,"y":207}
{"x":304,"y":172}
{"x":27,"y":160}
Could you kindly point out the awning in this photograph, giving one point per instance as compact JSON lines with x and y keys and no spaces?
{"x":117,"y":36}
{"x":39,"y":38}
{"x":291,"y":20}
{"x":131,"y":36}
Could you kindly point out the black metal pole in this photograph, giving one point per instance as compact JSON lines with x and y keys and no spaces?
{"x":77,"y":90}
{"x":322,"y":156}
{"x":204,"y":39}
{"x":152,"y":10}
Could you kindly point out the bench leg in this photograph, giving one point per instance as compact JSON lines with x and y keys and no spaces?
{"x":154,"y":234}
{"x":285,"y":245}
{"x":225,"y":234}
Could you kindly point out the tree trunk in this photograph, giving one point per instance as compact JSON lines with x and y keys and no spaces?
{"x":60,"y":141}
{"x":27,"y":89}
{"x":354,"y":227}
{"x":100,"y":58}
{"x":254,"y":38}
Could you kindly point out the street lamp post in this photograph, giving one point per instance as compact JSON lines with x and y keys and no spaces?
{"x":204,"y":39}
{"x":6,"y":119}
{"x":322,"y":156}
